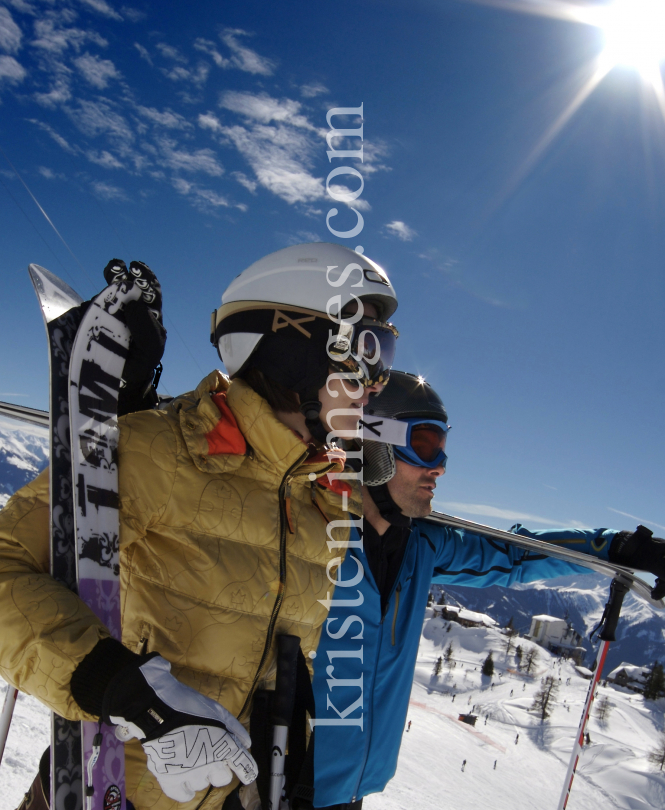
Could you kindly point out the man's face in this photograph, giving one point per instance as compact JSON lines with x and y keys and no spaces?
{"x":412,"y":488}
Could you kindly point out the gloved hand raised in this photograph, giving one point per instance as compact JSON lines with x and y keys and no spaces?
{"x":144,"y":319}
{"x":191,"y":741}
{"x":641,"y":550}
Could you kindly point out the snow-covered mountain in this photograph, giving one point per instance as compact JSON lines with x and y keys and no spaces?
{"x":23,"y":454}
{"x":641,"y":630}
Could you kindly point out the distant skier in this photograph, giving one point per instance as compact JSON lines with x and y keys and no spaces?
{"x":517,"y":738}
{"x":408,"y":727}
{"x":463,"y":765}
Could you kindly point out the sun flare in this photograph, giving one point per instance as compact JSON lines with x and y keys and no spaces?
{"x":634,"y":32}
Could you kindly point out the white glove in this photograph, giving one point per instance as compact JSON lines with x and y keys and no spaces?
{"x":191,"y":741}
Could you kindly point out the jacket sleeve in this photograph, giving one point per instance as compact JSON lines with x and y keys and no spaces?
{"x":463,"y":558}
{"x":45,"y":629}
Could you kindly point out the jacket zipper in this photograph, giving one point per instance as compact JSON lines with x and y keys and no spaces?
{"x":282,"y":578}
{"x":368,"y":744}
{"x":397,"y":593}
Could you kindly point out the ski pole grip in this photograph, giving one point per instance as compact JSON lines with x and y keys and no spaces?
{"x":285,"y":686}
{"x":617,"y":592}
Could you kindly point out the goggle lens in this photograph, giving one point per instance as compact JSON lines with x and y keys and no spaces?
{"x":427,"y":441}
{"x":372,"y":351}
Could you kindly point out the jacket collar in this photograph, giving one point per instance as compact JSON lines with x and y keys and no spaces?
{"x":272,"y":444}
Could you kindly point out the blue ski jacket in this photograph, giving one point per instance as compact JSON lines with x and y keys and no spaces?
{"x":364,"y":664}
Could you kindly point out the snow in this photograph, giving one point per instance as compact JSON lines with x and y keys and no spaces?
{"x":613,"y":771}
{"x":28,"y":737}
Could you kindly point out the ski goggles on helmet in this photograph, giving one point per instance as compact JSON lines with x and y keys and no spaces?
{"x":365,"y":349}
{"x":425,"y":443}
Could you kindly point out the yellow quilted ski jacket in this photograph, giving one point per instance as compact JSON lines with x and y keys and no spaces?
{"x":219,"y":553}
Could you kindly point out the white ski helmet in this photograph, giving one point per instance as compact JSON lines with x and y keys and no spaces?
{"x":304,"y":279}
{"x":284,"y":316}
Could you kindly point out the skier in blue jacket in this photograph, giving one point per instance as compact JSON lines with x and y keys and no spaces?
{"x":366,"y":658}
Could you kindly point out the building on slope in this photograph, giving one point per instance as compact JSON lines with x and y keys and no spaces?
{"x":557,"y":636}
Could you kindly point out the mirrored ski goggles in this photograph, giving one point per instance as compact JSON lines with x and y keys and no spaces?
{"x":425,"y":443}
{"x":366,"y":349}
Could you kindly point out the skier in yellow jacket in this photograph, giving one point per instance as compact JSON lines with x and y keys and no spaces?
{"x":224,"y":498}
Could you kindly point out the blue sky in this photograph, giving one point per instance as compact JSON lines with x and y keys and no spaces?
{"x":523,"y":231}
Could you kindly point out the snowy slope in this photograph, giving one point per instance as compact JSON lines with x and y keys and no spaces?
{"x":23,"y":453}
{"x":641,"y":631}
{"x":613,"y":770}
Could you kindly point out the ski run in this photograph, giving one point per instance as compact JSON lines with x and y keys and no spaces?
{"x":500,"y":773}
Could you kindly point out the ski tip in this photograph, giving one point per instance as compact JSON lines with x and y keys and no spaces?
{"x":55,"y":296}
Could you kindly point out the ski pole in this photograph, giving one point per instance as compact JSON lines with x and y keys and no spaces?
{"x":6,"y":717}
{"x":608,"y":625}
{"x":282,"y":712}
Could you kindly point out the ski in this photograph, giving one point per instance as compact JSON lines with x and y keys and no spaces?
{"x":87,"y":355}
{"x":624,"y":575}
{"x":59,"y":304}
{"x":95,"y":376}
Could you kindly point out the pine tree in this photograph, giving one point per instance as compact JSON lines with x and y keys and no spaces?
{"x":437,"y":665}
{"x":656,"y":683}
{"x":603,"y":709}
{"x":510,"y":636}
{"x":546,"y":696}
{"x":531,"y":659}
{"x":518,"y":656}
{"x":488,"y":666}
{"x":442,"y":599}
{"x":448,"y":655}
{"x":657,"y":755}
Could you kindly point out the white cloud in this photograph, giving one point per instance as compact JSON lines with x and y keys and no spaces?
{"x":49,"y":174}
{"x":103,"y":8}
{"x":143,"y":53}
{"x":210,"y":121}
{"x":245,"y":58}
{"x":277,"y":154}
{"x":10,"y":33}
{"x":341,"y":191}
{"x":203,"y":198}
{"x":263,"y":108}
{"x":400,"y":230}
{"x":493,"y":512}
{"x":52,"y":37}
{"x":96,"y":118}
{"x":208,"y":47}
{"x":169,"y":52}
{"x":23,"y":6}
{"x":638,"y":519}
{"x":313,"y":90}
{"x":105,"y":159}
{"x":166,"y":119}
{"x":250,"y":185}
{"x":374,"y":153}
{"x":132,"y":14}
{"x":200,"y":160}
{"x":97,"y":72}
{"x":183,"y":74}
{"x":56,"y":136}
{"x":108,"y":192}
{"x":11,"y":70}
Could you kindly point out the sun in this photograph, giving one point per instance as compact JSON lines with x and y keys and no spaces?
{"x":634,"y":32}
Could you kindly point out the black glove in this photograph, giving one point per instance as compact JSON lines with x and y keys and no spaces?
{"x":144,"y":319}
{"x":641,"y":550}
{"x":190,"y":740}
